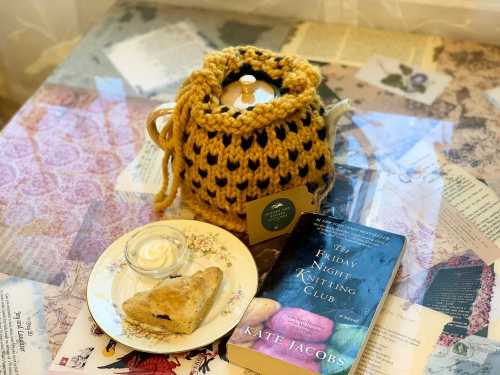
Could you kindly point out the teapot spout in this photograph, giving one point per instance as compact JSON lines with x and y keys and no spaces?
{"x":335,"y":111}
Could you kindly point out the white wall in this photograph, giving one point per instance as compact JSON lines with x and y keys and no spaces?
{"x":463,"y":19}
{"x":36,"y":35}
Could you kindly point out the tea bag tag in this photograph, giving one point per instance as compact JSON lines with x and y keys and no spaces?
{"x":276,"y":214}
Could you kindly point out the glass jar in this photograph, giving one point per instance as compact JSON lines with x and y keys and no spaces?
{"x":157,"y":250}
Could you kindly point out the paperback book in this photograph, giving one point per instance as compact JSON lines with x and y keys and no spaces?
{"x":319,"y":302}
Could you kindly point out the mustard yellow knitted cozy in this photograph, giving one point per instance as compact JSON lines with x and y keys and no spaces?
{"x":223,"y":157}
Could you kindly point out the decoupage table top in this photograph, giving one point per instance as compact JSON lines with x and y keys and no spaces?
{"x":62,"y":153}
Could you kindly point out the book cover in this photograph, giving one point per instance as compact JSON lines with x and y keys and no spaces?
{"x":318,"y":304}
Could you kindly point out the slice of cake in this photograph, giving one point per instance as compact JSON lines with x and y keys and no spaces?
{"x":177,"y":304}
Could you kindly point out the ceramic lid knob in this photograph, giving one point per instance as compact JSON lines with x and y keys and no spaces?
{"x":248,"y":91}
{"x":247,"y":83}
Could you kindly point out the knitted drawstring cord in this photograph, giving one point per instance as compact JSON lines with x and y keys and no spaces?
{"x":222,"y":157}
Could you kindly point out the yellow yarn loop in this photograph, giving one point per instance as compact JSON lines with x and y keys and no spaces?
{"x":223,"y":157}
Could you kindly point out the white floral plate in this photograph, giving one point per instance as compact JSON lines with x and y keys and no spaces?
{"x":112,"y":281}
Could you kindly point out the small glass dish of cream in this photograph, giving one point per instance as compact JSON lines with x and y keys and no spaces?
{"x":157,"y":250}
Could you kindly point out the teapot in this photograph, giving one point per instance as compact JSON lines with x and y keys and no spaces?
{"x":248,"y":124}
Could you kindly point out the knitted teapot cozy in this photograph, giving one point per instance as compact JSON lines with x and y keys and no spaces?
{"x":224,"y":157}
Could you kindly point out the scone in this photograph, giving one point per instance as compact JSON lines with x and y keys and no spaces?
{"x":177,"y":304}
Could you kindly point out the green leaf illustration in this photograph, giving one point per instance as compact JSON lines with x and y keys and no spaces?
{"x":460,"y":349}
{"x":420,"y":88}
{"x":406,"y":70}
{"x":394,"y":80}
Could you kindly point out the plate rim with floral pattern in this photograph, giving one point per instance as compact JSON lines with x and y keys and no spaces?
{"x":233,"y":256}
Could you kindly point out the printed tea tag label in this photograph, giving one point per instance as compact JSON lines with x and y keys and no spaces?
{"x":408,"y":81}
{"x":276,"y":214}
